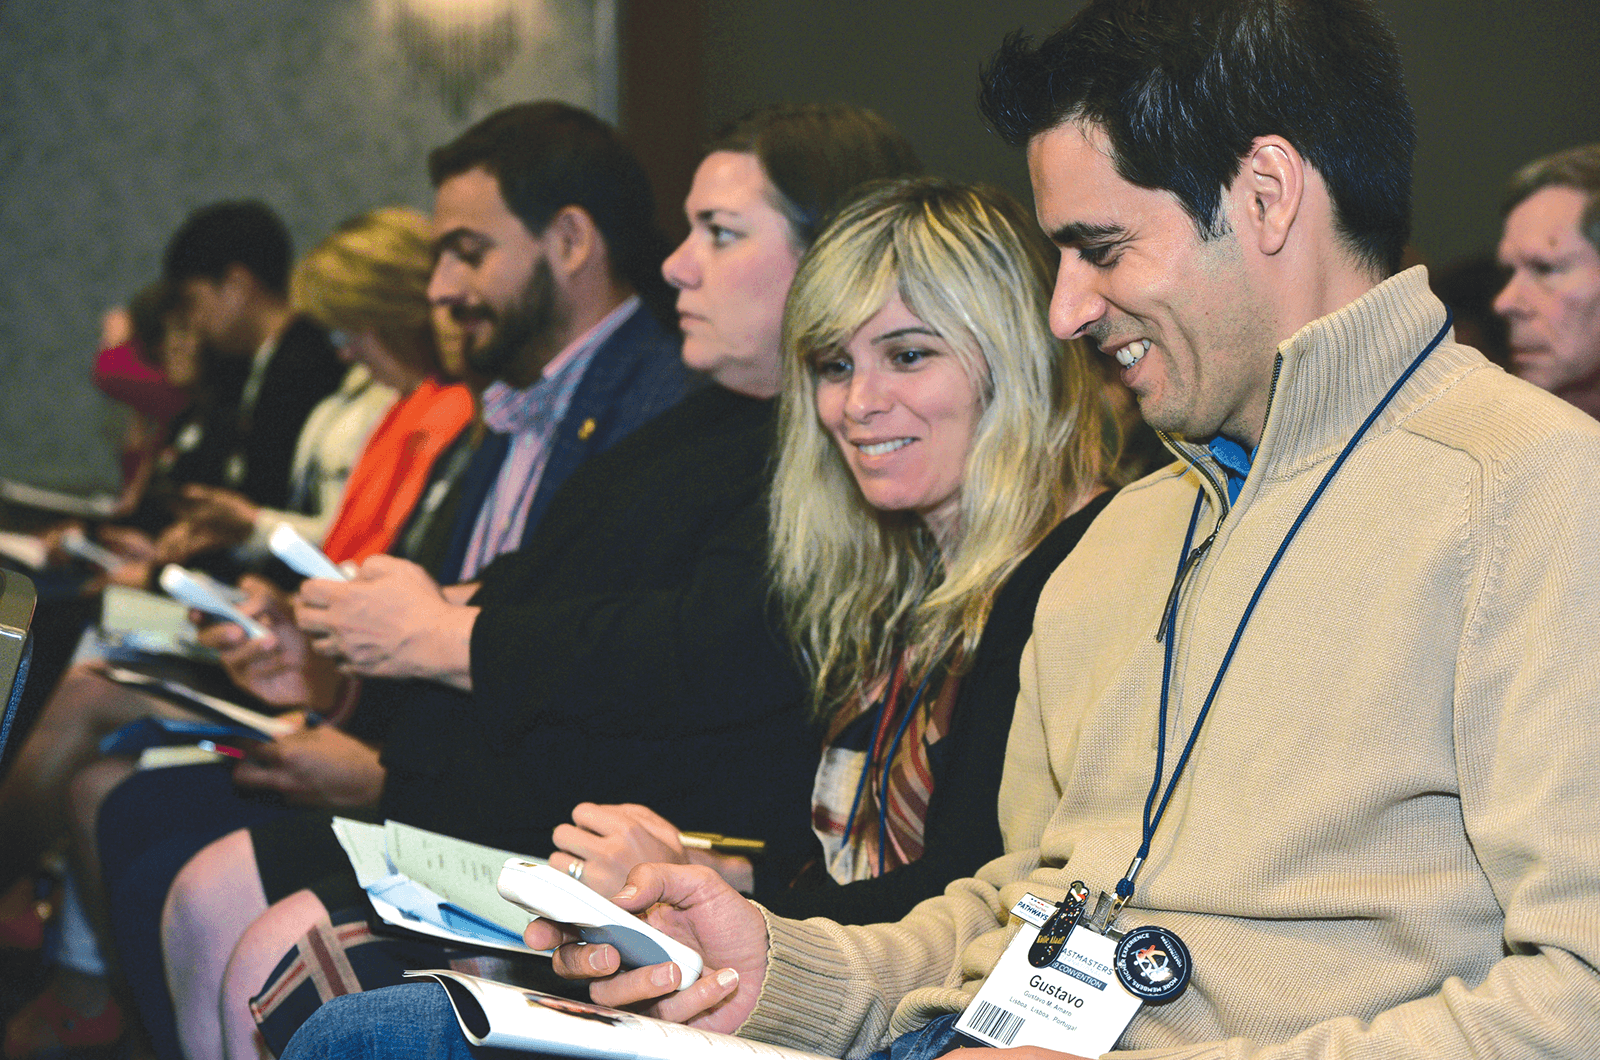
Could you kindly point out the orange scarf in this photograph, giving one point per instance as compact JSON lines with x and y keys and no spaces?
{"x":394,"y":468}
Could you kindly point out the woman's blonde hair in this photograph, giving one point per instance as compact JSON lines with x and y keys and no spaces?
{"x":372,"y":274}
{"x":858,"y":584}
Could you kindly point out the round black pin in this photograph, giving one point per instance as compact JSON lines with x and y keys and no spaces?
{"x":1153,"y":964}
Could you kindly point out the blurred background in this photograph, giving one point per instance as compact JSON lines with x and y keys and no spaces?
{"x":119,"y":117}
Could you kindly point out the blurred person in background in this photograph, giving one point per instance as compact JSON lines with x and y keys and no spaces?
{"x":1551,"y":245}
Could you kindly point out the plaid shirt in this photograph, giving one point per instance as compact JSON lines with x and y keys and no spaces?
{"x":530,"y":416}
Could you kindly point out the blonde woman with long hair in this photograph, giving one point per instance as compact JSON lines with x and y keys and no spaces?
{"x":939,"y":454}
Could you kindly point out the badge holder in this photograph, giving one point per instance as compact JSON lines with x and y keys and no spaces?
{"x":1073,"y":982}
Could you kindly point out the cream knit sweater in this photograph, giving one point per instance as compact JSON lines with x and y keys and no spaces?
{"x":1387,"y":842}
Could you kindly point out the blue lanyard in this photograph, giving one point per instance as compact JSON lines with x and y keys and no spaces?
{"x":1170,"y":618}
{"x":883,"y":705}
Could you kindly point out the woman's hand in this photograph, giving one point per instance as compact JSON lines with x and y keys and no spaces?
{"x":116,"y":327}
{"x":208,"y":519}
{"x":183,"y":540}
{"x":279,"y":668}
{"x":611,"y":840}
{"x":698,"y":908}
{"x":137,"y":548}
{"x":1021,"y":1052}
{"x":127,"y":542}
{"x":213,"y":506}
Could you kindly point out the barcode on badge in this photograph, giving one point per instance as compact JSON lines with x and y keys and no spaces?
{"x":996,"y":1023}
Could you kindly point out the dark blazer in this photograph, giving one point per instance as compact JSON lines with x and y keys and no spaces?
{"x":635,"y":375}
{"x":628,"y":654}
{"x":303,"y":370}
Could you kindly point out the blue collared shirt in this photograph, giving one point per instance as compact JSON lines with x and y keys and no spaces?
{"x":1235,"y":461}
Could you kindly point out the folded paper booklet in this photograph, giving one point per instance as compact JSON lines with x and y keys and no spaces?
{"x":263,"y":726}
{"x":139,"y":736}
{"x":26,"y":549}
{"x":512,"y":1017}
{"x":135,"y":621}
{"x":92,"y":506}
{"x":434,"y":885}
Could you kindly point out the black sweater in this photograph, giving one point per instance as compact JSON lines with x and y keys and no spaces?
{"x":963,"y":826}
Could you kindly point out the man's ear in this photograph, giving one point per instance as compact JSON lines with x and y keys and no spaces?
{"x":572,"y":240}
{"x":1271,"y":186}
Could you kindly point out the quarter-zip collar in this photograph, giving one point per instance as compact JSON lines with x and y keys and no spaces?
{"x":1327,"y":377}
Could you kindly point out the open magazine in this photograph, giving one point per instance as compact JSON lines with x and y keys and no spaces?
{"x":513,"y":1017}
{"x":139,"y":622}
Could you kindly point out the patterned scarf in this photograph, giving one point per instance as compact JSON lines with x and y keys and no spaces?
{"x":870,"y":803}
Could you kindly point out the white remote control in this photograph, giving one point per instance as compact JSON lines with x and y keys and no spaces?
{"x":302,"y":556}
{"x":544,"y":891}
{"x":74,"y":543}
{"x":204,"y":593}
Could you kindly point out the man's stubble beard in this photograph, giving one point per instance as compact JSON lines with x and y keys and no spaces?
{"x":522,"y":329}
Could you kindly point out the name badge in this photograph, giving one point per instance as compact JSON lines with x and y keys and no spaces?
{"x":1075,"y":1004}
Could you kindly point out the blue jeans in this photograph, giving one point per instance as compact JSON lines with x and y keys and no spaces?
{"x":415,"y":1021}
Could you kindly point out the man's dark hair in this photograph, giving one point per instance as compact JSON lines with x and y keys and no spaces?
{"x":1182,"y":88}
{"x":1577,"y":168}
{"x":546,"y":156}
{"x":244,"y":233}
{"x":816,"y":154}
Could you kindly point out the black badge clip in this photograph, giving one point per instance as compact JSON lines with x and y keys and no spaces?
{"x":1053,"y":935}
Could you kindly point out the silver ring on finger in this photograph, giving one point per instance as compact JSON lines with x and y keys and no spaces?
{"x":575,"y":869}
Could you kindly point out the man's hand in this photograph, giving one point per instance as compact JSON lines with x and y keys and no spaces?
{"x":391,"y":621}
{"x":698,"y":908}
{"x":319,"y":767}
{"x":279,"y":668}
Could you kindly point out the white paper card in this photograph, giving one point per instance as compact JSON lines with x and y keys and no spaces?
{"x":459,"y":872}
{"x":1075,"y":1005}
{"x":366,"y":845}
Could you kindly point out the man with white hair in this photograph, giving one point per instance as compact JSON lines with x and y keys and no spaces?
{"x":1552,"y":300}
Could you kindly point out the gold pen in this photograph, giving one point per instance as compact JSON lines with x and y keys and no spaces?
{"x":722,"y":844}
